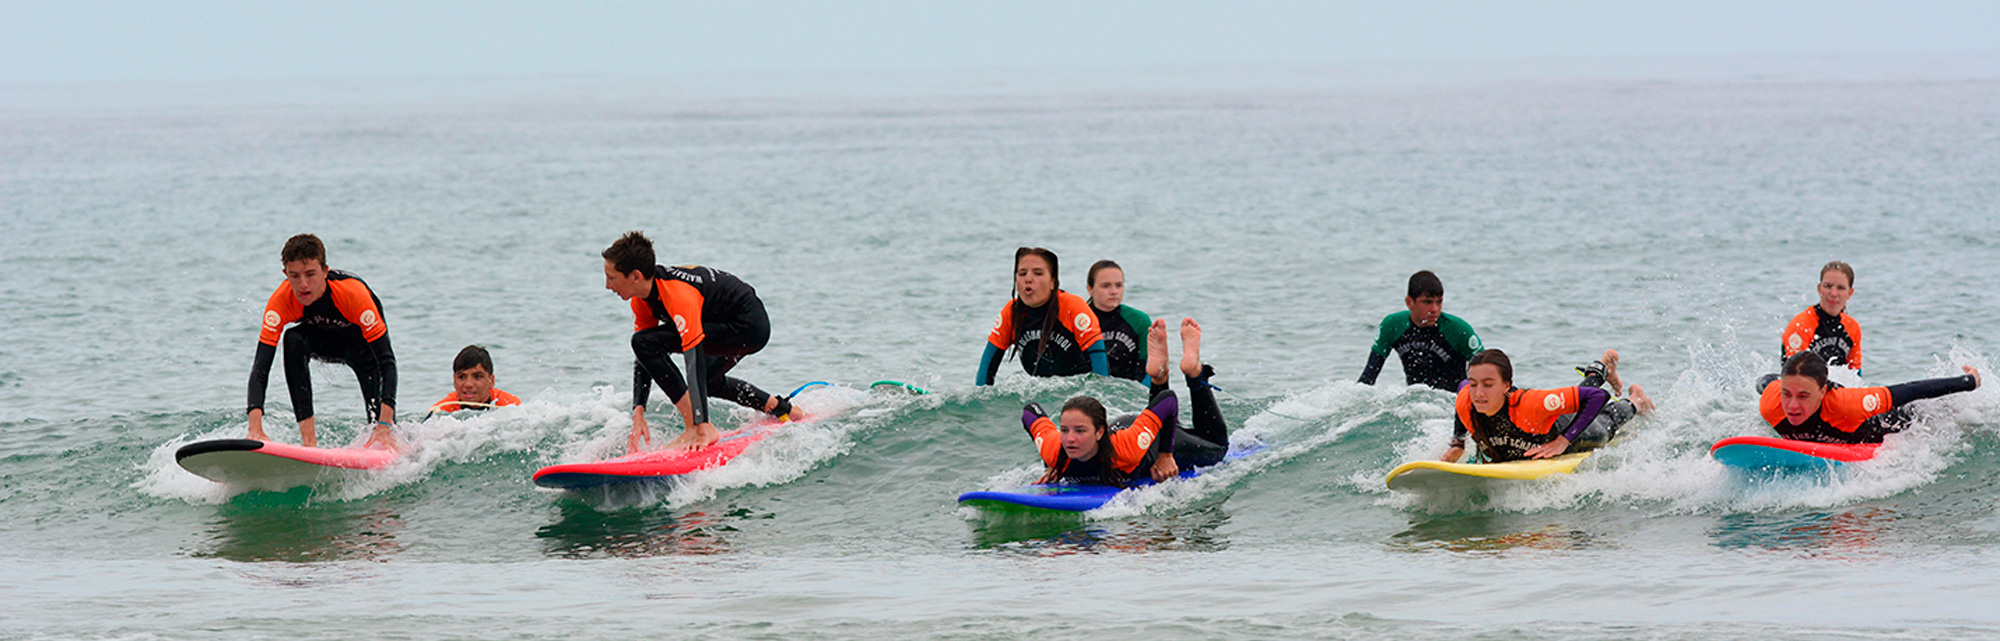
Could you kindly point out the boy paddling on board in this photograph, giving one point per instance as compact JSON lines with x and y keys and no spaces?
{"x":338,"y":319}
{"x":1433,"y":345}
{"x":472,"y":383}
{"x":710,"y":317}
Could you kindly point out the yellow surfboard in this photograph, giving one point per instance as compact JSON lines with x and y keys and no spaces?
{"x":1420,"y":476}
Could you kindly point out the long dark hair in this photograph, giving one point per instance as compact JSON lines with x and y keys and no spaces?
{"x":1051,"y":315}
{"x":1094,"y":411}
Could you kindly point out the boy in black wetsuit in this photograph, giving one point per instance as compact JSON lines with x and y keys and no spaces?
{"x":710,"y":316}
{"x":1432,"y":344}
{"x":339,"y":319}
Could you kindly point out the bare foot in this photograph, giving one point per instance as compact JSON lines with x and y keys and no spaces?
{"x":1610,"y":361}
{"x":695,"y":438}
{"x":1156,"y":351}
{"x":1640,"y":401}
{"x":1190,"y":348}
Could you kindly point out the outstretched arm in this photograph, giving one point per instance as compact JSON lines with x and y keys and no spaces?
{"x":1933,"y":388}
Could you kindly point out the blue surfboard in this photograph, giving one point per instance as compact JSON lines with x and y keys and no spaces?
{"x":1066,"y":497}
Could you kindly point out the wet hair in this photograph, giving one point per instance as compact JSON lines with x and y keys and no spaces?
{"x":472,"y":356}
{"x":1052,"y":316}
{"x":1495,"y":358}
{"x":1093,"y":410}
{"x":1808,"y":364}
{"x":1837,"y":266}
{"x":632,"y":252}
{"x":1090,"y":280}
{"x":303,"y":247}
{"x":1425,"y":283}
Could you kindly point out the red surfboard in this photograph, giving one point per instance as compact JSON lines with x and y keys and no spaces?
{"x":656,"y":465}
{"x":1764,"y":452}
{"x":276,"y":466}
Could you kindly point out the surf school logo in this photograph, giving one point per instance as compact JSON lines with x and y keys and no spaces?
{"x":1795,"y":341}
{"x":999,"y":320}
{"x":1082,"y":322}
{"x":680,"y":324}
{"x":1145,"y":440}
{"x":1552,"y":402}
{"x":1473,"y":344}
{"x":1870,"y":402}
{"x":368,"y":318}
{"x":271,"y":319}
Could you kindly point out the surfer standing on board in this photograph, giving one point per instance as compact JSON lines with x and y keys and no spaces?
{"x":472,"y":383}
{"x":710,"y":317}
{"x":1826,"y":329}
{"x":1511,"y":424}
{"x":1433,"y":345}
{"x":1054,"y":331}
{"x":338,"y":319}
{"x":1803,"y":406}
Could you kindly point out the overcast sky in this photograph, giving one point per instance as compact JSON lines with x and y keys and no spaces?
{"x":91,"y":40}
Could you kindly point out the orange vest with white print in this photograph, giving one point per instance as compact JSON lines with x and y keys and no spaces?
{"x":347,"y":304}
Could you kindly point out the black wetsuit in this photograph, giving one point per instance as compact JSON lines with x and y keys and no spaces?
{"x":329,"y":333}
{"x":733,"y":325}
{"x":1124,"y":331}
{"x":1206,"y":438}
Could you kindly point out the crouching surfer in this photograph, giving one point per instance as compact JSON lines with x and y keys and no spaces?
{"x":710,"y":317}
{"x":1803,"y":406}
{"x":1511,"y":424}
{"x":339,"y":320}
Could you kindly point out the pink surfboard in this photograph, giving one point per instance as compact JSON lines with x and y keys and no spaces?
{"x":653,"y":466}
{"x":276,"y":466}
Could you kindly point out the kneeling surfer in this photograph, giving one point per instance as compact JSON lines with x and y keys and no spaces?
{"x":1511,"y":424}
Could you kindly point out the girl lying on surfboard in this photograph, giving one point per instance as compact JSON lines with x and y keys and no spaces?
{"x":1538,"y":423}
{"x":1080,"y":445}
{"x":1803,"y":406}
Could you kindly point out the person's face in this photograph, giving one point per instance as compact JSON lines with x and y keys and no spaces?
{"x":1079,"y":436}
{"x":474,"y":384}
{"x":307,"y":278}
{"x":626,"y":286}
{"x":1424,"y":310}
{"x":1800,"y":397}
{"x":1489,"y":393}
{"x":1032,"y":281}
{"x":1109,"y":291}
{"x":1834,"y":290}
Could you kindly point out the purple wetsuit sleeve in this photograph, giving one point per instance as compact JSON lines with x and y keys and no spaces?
{"x":1592,"y":399}
{"x":1165,"y":407}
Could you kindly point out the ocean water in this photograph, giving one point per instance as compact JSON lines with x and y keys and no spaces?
{"x":1677,"y":218}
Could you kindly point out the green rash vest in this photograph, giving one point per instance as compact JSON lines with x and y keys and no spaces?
{"x":1124,"y":340}
{"x":1433,"y":356}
